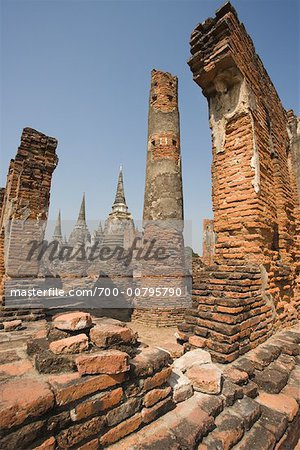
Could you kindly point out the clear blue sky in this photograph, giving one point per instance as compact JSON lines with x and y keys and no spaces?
{"x":80,"y":71}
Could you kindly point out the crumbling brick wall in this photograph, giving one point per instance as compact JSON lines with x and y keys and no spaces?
{"x":25,"y":203}
{"x":255,"y":198}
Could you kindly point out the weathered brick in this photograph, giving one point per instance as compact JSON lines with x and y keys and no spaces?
{"x":73,"y":344}
{"x":72,"y":321}
{"x":235,"y":375}
{"x":248,"y":410}
{"x":257,"y":438}
{"x":19,"y":401}
{"x":15,"y":369}
{"x":77,"y":433}
{"x":107,"y":362}
{"x":149,"y":360}
{"x":48,"y":444}
{"x":123,"y":411}
{"x":155,"y":395}
{"x":121,"y":430}
{"x":273,"y":421}
{"x":271,"y":381}
{"x":157,"y":380}
{"x":70,"y":387}
{"x":250,"y":389}
{"x":150,"y":414}
{"x":96,"y":404}
{"x":188,"y":422}
{"x":105,"y":335}
{"x":211,"y":404}
{"x":191,"y":358}
{"x":90,"y":445}
{"x":181,"y":385}
{"x":206,"y":378}
{"x":23,"y":437}
{"x":229,"y":430}
{"x":12,"y":325}
{"x":231,"y":392}
{"x":280,"y":402}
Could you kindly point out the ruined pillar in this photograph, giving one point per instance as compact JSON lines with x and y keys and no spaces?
{"x":163,"y":191}
{"x":25,"y":205}
{"x":163,"y":202}
{"x":252,"y":290}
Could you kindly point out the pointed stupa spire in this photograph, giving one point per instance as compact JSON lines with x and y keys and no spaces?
{"x":80,"y":233}
{"x":120,"y":202}
{"x":57,"y":235}
{"x":81,"y":215}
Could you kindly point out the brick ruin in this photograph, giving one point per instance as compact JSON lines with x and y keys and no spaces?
{"x":76,"y":381}
{"x":24,"y":212}
{"x":251,"y":286}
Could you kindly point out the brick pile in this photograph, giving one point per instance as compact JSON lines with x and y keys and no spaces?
{"x":85,"y":383}
{"x":255,"y":407}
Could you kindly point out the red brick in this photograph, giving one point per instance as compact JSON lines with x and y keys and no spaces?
{"x":107,"y":361}
{"x":229,"y":430}
{"x":74,"y":435}
{"x":16,"y":369}
{"x":235,"y":375}
{"x":12,"y":325}
{"x":188,"y":422}
{"x":149,"y":360}
{"x":197,"y":341}
{"x":70,"y":387}
{"x":96,"y":404}
{"x":121,"y":430}
{"x":206,"y":378}
{"x":48,"y":444}
{"x":279,"y":402}
{"x":158,"y":379}
{"x":159,"y":409}
{"x":23,"y":399}
{"x":155,"y":396}
{"x":107,"y":334}
{"x":91,"y":445}
{"x":73,"y":344}
{"x":72,"y":321}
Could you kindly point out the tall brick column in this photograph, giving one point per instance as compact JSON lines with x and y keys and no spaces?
{"x":25,"y":204}
{"x":163,"y":201}
{"x":163,"y":191}
{"x":252,"y":288}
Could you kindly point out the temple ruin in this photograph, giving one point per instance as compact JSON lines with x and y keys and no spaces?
{"x":251,"y":287}
{"x":78,"y":380}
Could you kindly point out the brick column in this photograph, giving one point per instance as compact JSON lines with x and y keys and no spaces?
{"x":25,"y":204}
{"x":163,"y":201}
